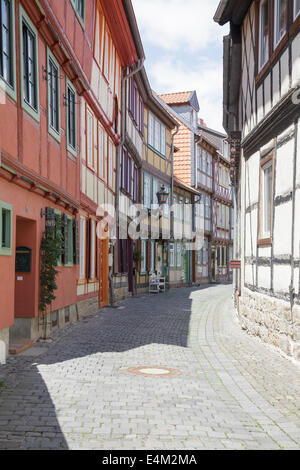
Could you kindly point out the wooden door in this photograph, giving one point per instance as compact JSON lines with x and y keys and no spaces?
{"x":103,"y":273}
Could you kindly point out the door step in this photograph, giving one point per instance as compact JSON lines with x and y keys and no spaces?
{"x":20,"y":345}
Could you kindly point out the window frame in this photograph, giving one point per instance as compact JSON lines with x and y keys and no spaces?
{"x":56,"y":133}
{"x":262,"y":239}
{"x":70,"y":262}
{"x":144,"y":257}
{"x":11,"y":88}
{"x":260,"y":64}
{"x":172,"y":255}
{"x":70,"y":148}
{"x":275,"y":19}
{"x":79,"y":17}
{"x":151,"y":137}
{"x":91,"y":165}
{"x":24,"y":18}
{"x":178,"y":253}
{"x":4,"y":250}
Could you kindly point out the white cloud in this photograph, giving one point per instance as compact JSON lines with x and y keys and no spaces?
{"x":184,"y":50}
{"x":167,"y":76}
{"x":178,"y":24}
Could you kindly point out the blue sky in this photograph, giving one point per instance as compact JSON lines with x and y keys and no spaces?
{"x":184,"y":50}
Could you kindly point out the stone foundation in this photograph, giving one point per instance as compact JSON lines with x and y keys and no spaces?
{"x":43,"y":327}
{"x":4,"y":336}
{"x":271,"y":320}
{"x":120,"y":288}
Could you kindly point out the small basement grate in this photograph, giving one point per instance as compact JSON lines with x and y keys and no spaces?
{"x":154,"y":371}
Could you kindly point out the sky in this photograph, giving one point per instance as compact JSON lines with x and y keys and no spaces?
{"x":184,"y":51}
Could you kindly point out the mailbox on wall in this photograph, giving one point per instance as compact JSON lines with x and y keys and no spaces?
{"x":23,"y":259}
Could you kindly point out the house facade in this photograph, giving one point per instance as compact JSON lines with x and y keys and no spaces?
{"x":200,"y":164}
{"x":261,"y":116}
{"x":60,"y":87}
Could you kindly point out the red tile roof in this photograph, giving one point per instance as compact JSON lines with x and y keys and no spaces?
{"x":176,"y":98}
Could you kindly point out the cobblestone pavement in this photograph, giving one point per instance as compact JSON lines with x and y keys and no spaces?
{"x":233,"y":392}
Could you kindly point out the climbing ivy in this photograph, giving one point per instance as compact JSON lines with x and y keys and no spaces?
{"x":51,"y":248}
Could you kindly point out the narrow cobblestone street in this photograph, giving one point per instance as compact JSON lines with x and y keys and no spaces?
{"x":233,"y":392}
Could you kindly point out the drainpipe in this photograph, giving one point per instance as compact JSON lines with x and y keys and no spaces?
{"x":126,"y":77}
{"x":172,"y":181}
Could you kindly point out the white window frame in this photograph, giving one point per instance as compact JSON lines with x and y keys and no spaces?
{"x":276,"y":22}
{"x":172,"y":255}
{"x":179,"y":255}
{"x":262,"y":64}
{"x":89,"y":138}
{"x":101,"y":151}
{"x":266,"y":234}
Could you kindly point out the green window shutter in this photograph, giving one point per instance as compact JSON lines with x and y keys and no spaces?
{"x":76,"y":241}
{"x":58,"y":233}
{"x":65,"y":249}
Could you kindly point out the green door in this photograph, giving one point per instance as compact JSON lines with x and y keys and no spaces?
{"x":186,"y":263}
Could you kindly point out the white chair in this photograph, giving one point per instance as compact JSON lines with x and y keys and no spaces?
{"x":154,"y":285}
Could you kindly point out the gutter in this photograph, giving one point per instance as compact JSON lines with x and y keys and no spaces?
{"x":172,"y":181}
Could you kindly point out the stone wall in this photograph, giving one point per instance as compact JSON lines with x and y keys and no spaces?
{"x":120,"y":287}
{"x":272,"y":320}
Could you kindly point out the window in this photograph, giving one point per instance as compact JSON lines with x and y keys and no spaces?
{"x":266,"y":198}
{"x":7,"y":46}
{"x":29,"y":66}
{"x":110,"y":164}
{"x":156,"y":134}
{"x":5,"y":229}
{"x":144,"y":256}
{"x":71,"y":118}
{"x":101,"y":157}
{"x":89,"y":138}
{"x":79,"y":7}
{"x":296,"y":8}
{"x":263,"y":33}
{"x":280,"y":21}
{"x":178,"y":261}
{"x":53,"y":96}
{"x":68,"y":240}
{"x":147,"y":191}
{"x":136,"y":105}
{"x":82,"y":247}
{"x":93,"y":250}
{"x":207,"y":207}
{"x":152,"y":267}
{"x":171,"y":255}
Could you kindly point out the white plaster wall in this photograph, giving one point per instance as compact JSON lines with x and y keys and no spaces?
{"x":296,"y":60}
{"x":90,"y":184}
{"x":298,"y":154}
{"x":282,"y":236}
{"x":276,"y":91}
{"x":251,"y":233}
{"x":264,"y":251}
{"x":252,"y":179}
{"x":297,"y":225}
{"x":285,"y":168}
{"x":83,"y":179}
{"x":260,"y":108}
{"x":264,"y":277}
{"x":281,"y":278}
{"x":284,"y":73}
{"x":250,"y":274}
{"x":267,"y":85}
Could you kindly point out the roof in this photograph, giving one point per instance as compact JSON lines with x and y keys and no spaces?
{"x":231,"y":10}
{"x":181,"y":184}
{"x":213,"y":137}
{"x":181,"y":97}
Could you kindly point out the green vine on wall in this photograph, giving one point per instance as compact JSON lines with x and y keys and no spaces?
{"x":51,"y":249}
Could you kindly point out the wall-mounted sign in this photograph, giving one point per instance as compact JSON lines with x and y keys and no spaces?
{"x":235,"y":264}
{"x":23,"y":259}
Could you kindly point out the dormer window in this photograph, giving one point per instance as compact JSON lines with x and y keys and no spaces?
{"x":263,"y":33}
{"x":279,"y":21}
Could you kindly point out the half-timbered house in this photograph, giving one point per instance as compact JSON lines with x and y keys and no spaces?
{"x":261,"y":116}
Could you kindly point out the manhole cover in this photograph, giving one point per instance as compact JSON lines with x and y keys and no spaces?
{"x":154,"y":371}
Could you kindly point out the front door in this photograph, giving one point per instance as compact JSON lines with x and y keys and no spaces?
{"x":159,"y":260}
{"x":103,"y":273}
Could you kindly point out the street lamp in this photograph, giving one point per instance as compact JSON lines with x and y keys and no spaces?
{"x":162,"y":196}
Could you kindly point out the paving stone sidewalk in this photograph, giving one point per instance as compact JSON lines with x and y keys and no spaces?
{"x":233,"y":391}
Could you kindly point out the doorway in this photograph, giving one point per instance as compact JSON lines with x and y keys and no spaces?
{"x":213,"y":265}
{"x":103,"y":273}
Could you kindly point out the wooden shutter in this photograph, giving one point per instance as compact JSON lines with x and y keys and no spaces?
{"x":75,"y":241}
{"x":65,"y":239}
